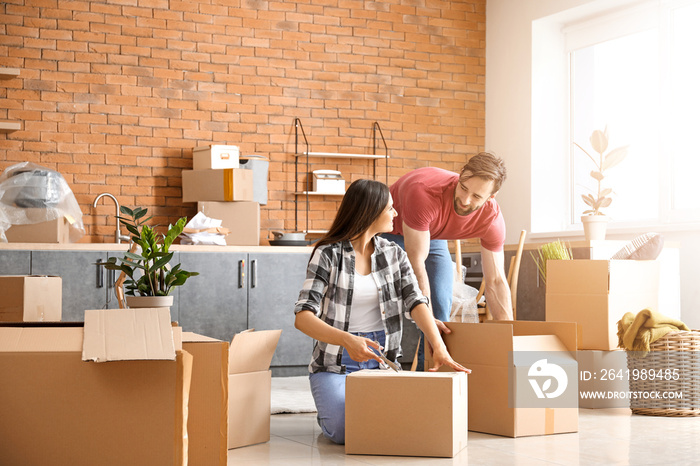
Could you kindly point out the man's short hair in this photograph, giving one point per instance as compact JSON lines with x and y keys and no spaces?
{"x":487,"y":166}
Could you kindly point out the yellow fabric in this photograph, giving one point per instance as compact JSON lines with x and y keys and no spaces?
{"x":636,"y":333}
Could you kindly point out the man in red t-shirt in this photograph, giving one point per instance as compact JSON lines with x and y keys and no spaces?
{"x":435,"y":205}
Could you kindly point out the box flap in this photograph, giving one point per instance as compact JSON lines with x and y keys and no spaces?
{"x":36,"y":339}
{"x":565,"y":331}
{"x":128,"y":334}
{"x":577,"y":276}
{"x":550,"y":346}
{"x":252,"y":351}
{"x":191,"y":337}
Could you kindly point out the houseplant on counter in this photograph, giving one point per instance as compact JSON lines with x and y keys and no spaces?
{"x":594,"y":221}
{"x":152,"y":287}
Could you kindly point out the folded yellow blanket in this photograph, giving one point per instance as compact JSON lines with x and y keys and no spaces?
{"x":636,"y":333}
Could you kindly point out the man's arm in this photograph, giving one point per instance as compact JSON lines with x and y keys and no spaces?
{"x":497,"y":291}
{"x":417,"y":245}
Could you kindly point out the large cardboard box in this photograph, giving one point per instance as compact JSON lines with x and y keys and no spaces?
{"x":250,"y":386}
{"x":405,"y":413}
{"x":229,"y":184}
{"x":215,"y":156}
{"x":597,"y":293}
{"x":30,"y":298}
{"x":503,"y":357}
{"x":241,"y":218}
{"x":603,"y":380}
{"x":58,"y":409}
{"x":52,"y":231}
{"x":207,"y":422}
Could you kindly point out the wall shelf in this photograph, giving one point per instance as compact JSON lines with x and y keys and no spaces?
{"x":307,"y":154}
{"x":9,"y":73}
{"x":9,"y":126}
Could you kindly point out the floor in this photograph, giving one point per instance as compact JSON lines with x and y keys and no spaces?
{"x":605,"y":437}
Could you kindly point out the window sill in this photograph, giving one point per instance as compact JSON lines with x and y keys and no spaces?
{"x":629,"y":231}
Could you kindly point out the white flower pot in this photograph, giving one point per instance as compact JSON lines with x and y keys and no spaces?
{"x":594,"y":227}
{"x":149,"y":301}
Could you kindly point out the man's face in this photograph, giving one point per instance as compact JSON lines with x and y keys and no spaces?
{"x":472,"y":193}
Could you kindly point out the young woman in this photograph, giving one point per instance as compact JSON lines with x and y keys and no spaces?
{"x":357,"y":287}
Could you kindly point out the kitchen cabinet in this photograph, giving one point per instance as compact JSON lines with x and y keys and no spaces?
{"x":85,"y":284}
{"x":274,"y":284}
{"x":15,"y":262}
{"x":237,"y":291}
{"x":215,"y":302}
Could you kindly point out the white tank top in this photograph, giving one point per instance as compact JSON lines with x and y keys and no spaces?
{"x":365,"y":315}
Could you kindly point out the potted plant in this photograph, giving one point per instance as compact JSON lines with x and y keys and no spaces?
{"x":151,"y":286}
{"x":594,"y":221}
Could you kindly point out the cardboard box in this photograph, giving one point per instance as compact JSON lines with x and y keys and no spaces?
{"x":241,"y":218}
{"x":405,"y":413}
{"x":328,"y":181}
{"x":229,"y":184}
{"x":500,"y":355}
{"x":52,"y":231}
{"x":250,"y":386}
{"x":30,"y":298}
{"x":603,"y":380}
{"x":60,"y":410}
{"x":597,"y":293}
{"x":207,"y":420}
{"x":215,"y":156}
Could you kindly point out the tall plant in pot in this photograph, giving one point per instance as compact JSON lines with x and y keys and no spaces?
{"x":593,"y":219}
{"x":147,"y":276}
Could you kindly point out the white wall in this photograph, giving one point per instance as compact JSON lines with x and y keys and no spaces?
{"x":509,"y":116}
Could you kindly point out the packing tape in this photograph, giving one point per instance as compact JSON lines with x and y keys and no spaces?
{"x":228,"y":184}
{"x":548,"y":421}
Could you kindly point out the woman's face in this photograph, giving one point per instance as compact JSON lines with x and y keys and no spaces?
{"x":385,"y":222}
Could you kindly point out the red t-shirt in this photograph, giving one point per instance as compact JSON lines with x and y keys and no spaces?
{"x":424,"y":199}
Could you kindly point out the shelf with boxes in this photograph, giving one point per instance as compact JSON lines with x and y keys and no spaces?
{"x":328,"y":182}
{"x":9,"y":126}
{"x":228,"y":187}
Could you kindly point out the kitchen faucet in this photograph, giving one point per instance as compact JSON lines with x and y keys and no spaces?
{"x":117,"y":235}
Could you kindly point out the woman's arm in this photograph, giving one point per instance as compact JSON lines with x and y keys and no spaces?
{"x":358,"y":348}
{"x":423,"y":317}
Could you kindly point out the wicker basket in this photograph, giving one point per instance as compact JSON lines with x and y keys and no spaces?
{"x":672,"y":366}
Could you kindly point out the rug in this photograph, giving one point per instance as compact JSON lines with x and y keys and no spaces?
{"x":291,"y":395}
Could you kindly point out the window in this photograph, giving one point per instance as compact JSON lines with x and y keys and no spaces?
{"x":637,"y":72}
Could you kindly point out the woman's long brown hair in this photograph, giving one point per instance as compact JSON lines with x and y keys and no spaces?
{"x":363,"y":203}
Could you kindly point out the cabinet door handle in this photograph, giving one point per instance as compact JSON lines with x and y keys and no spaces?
{"x":241,"y":273}
{"x":100,"y":277}
{"x":253,"y":273}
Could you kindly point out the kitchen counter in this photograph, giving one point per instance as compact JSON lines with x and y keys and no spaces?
{"x":125,"y":246}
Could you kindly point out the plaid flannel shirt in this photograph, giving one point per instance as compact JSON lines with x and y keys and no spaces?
{"x":327,"y":292}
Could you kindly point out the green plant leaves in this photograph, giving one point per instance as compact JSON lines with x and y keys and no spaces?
{"x":599,"y":140}
{"x":597,"y":175}
{"x":614,"y":157}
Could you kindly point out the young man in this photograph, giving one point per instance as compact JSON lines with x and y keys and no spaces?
{"x":435,"y":205}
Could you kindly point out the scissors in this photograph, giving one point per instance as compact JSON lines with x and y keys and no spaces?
{"x":391,"y":365}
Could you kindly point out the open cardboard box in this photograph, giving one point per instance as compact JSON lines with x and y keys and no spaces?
{"x":502,"y":357}
{"x":597,"y":293}
{"x":58,"y":409}
{"x":250,"y":386}
{"x":405,"y":413}
{"x":228,"y":184}
{"x":207,"y":422}
{"x":51,"y":231}
{"x":30,"y":298}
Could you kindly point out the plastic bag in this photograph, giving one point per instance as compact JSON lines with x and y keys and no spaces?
{"x":464,"y":307}
{"x":30,"y":193}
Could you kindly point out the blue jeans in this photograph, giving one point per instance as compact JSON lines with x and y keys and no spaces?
{"x":328,"y":390}
{"x":440,"y":271}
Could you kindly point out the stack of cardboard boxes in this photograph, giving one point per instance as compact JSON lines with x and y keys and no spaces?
{"x":125,"y":387}
{"x":596,"y":294}
{"x":224,"y":191}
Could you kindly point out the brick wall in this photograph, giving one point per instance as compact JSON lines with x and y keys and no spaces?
{"x":115,"y":94}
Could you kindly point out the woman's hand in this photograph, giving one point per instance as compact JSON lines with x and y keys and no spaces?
{"x":442,"y":358}
{"x":359,"y":348}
